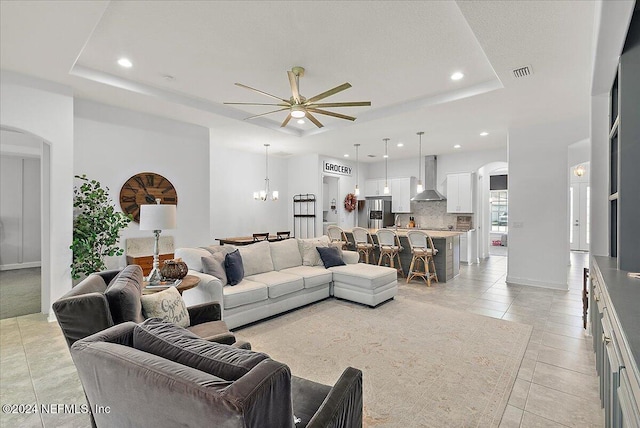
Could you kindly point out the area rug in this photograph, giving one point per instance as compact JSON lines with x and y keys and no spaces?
{"x":423,"y":365}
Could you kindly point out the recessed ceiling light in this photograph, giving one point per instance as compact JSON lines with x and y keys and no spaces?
{"x":301,"y":121}
{"x":168,"y":77}
{"x":400,"y":144}
{"x":484,"y":134}
{"x":124,"y":62}
{"x":346,"y":155}
{"x":385,"y":156}
{"x":457,"y":76}
{"x":457,"y":146}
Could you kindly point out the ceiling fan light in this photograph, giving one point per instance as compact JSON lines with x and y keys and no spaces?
{"x":297,"y":112}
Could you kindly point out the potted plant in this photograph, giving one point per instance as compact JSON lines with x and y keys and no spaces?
{"x":96,"y":227}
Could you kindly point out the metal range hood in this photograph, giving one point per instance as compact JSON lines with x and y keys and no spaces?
{"x":430,"y":179}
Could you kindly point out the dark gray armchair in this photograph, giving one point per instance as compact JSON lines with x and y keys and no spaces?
{"x":107,"y":298}
{"x":159,"y":375}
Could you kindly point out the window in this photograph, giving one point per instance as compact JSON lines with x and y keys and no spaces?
{"x":499,"y":204}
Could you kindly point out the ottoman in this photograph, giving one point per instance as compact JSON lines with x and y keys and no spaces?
{"x":365,"y":283}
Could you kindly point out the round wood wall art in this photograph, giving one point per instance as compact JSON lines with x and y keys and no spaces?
{"x":145,"y":188}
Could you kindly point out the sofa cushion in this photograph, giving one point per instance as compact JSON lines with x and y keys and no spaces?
{"x":244,"y":293}
{"x":279,"y":283}
{"x":214,"y":265}
{"x":310,"y":256}
{"x":331,"y":256}
{"x":312,"y":276}
{"x":285,"y":254}
{"x":123,"y":295}
{"x":364,"y":275}
{"x":256,"y":258}
{"x":192,"y":257}
{"x":177,"y":344}
{"x":223,"y":249}
{"x":234,"y":267}
{"x":166,"y":305}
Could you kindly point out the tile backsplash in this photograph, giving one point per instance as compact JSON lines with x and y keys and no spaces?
{"x":429,"y":215}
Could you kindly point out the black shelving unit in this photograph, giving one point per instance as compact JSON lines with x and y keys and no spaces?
{"x":304,"y":215}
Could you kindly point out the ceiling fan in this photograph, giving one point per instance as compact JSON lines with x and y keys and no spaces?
{"x":300,"y":106}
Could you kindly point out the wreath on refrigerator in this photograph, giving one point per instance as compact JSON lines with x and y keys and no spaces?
{"x":350,"y":202}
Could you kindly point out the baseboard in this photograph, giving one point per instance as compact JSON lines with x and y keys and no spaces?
{"x":535,"y":283}
{"x":27,"y":265}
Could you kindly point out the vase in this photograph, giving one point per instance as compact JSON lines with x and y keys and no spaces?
{"x":173,"y":269}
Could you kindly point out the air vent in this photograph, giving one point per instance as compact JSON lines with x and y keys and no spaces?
{"x":522,"y":71}
{"x":371,"y":156}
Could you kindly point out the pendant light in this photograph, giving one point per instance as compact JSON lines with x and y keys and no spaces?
{"x":419,"y":188}
{"x":386,"y":166}
{"x":263,"y":195}
{"x":357,"y":191}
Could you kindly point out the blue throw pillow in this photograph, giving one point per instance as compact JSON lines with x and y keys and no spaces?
{"x":331,"y":256}
{"x":233,"y":268}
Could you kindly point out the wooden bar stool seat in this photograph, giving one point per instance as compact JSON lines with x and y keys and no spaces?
{"x":423,"y":251}
{"x":390,"y":247}
{"x":364,"y":243}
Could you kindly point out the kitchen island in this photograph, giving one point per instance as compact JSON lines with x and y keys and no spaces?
{"x":447,"y":242}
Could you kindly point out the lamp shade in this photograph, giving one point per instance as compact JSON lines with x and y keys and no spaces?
{"x":157,"y":217}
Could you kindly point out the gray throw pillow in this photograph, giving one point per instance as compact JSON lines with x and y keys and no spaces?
{"x":177,"y":344}
{"x":331,"y":256}
{"x":123,"y":295}
{"x":214,"y":265}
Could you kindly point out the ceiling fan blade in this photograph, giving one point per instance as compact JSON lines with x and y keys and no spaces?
{"x":315,"y":121}
{"x":286,"y":120}
{"x":260,"y":92}
{"x":345,"y":104}
{"x":330,"y":113}
{"x":264,"y":114}
{"x":329,"y":92}
{"x":294,"y":87}
{"x":259,"y":104}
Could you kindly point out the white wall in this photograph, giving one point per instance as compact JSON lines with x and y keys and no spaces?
{"x":579,"y":152}
{"x":113,"y":144}
{"x":599,"y":215}
{"x":45,"y":109}
{"x":303,"y":175}
{"x":538,"y":195}
{"x":235,"y":175}
{"x":20,"y":243}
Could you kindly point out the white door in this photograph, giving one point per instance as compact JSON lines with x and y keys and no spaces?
{"x":579,"y":194}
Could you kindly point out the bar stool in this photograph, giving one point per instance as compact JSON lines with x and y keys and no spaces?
{"x":260,"y":237}
{"x":283,"y":235}
{"x":390,"y":247}
{"x":337,"y":236}
{"x":364,"y":242}
{"x":423,"y":251}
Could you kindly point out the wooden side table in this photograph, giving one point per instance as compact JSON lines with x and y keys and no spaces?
{"x":188,"y":282}
{"x":146,"y":262}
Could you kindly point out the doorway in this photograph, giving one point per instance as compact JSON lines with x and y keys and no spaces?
{"x":330,"y":192}
{"x":21,"y":158}
{"x":579,"y":201}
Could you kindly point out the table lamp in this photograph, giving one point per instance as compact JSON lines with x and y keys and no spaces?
{"x":157,"y":218}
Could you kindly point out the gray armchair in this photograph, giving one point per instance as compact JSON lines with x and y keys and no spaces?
{"x":107,"y":298}
{"x":159,"y":375}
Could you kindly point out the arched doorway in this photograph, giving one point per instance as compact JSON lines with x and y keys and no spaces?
{"x":24,"y":240}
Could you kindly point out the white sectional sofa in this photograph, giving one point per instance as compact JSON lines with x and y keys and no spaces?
{"x":284,"y":275}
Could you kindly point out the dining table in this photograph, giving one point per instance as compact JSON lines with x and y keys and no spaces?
{"x":245,"y":240}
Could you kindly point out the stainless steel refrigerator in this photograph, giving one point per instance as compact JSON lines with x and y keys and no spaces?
{"x":376,"y":214}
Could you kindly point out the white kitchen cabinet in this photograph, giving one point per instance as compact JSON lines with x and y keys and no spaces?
{"x":402,"y":190}
{"x":375,"y":187}
{"x":460,"y":192}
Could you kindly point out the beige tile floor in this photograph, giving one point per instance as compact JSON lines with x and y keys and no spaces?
{"x":556,"y":386}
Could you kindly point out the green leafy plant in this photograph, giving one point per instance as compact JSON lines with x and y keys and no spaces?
{"x":96,"y":227}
